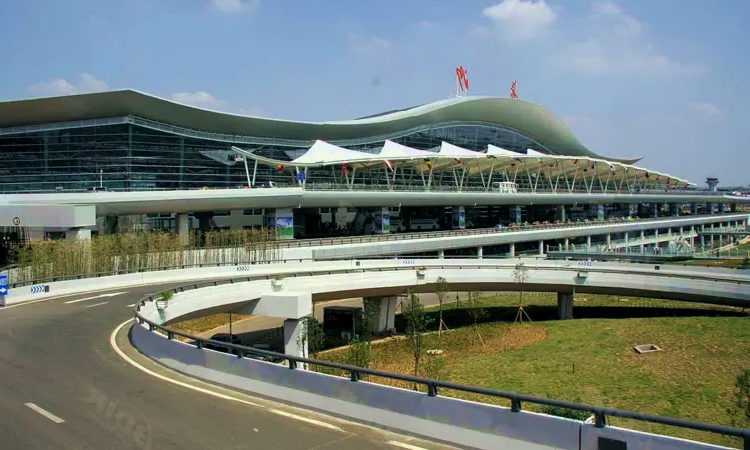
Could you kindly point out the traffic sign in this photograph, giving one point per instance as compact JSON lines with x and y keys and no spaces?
{"x":3,"y":289}
{"x":16,"y":221}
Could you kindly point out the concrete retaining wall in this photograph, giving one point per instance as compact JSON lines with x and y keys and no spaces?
{"x":461,"y":422}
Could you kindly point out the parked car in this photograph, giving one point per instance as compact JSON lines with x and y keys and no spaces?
{"x":224,"y":337}
{"x":98,"y":189}
{"x":264,"y":347}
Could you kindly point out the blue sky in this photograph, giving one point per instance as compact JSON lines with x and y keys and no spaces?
{"x":663,"y":79}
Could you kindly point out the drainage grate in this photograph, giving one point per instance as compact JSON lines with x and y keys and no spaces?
{"x":648,"y":348}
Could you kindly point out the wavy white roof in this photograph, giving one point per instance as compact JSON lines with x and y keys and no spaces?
{"x":393,"y":150}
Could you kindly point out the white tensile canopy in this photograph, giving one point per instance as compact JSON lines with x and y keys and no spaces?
{"x":496,"y":160}
{"x":322,"y":153}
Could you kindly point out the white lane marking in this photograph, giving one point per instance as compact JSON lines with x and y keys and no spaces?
{"x":307,"y":419}
{"x":45,"y":413}
{"x":165,"y":378}
{"x":403,"y":445}
{"x":97,"y":304}
{"x":118,"y":350}
{"x":95,"y":297}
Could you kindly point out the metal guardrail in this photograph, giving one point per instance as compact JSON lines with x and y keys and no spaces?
{"x":301,"y":243}
{"x":479,"y":231}
{"x":340,"y":187}
{"x":432,"y":386}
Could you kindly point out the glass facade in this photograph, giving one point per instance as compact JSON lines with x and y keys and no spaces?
{"x":127,"y":156}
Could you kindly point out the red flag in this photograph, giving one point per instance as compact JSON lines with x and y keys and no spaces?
{"x":345,"y":169}
{"x":388,"y":163}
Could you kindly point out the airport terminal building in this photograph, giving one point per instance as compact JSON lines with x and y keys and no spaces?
{"x":128,"y":141}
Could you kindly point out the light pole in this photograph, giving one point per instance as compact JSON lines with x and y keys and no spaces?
{"x":101,"y":177}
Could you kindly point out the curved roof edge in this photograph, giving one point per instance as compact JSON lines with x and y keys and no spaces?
{"x":527,"y":119}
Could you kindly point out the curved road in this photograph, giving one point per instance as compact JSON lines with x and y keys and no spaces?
{"x":64,"y":386}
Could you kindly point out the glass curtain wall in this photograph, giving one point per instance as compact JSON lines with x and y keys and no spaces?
{"x":131,"y":157}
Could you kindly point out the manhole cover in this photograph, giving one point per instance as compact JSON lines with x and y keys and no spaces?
{"x":647,"y":348}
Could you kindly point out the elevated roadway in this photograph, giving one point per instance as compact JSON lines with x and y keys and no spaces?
{"x":185,"y":201}
{"x":57,"y":355}
{"x":104,"y":402}
{"x":480,"y":426}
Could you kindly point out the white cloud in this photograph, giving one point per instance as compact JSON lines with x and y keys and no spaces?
{"x":367,"y":46}
{"x":426,"y":24}
{"x":232,"y":6}
{"x":623,"y":23}
{"x":60,"y":86}
{"x":617,"y":45}
{"x":706,"y":109}
{"x":520,"y":19}
{"x":200,"y":99}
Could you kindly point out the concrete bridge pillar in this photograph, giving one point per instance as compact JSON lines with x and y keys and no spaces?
{"x":627,"y":238}
{"x":293,"y":332}
{"x":564,"y":305}
{"x":560,"y":213}
{"x":512,"y":250}
{"x":458,"y":219}
{"x":600,"y":213}
{"x":480,"y":252}
{"x":441,"y":254}
{"x":386,"y":312}
{"x":515,"y":215}
{"x":588,"y":243}
{"x":182,"y":227}
{"x":111,"y":224}
{"x":567,"y":243}
{"x":541,"y":248}
{"x":609,"y":239}
{"x":643,"y":238}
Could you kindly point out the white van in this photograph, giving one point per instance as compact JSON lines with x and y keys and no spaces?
{"x":504,"y":187}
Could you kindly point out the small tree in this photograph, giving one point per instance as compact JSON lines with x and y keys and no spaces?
{"x":741,"y":406}
{"x":370,"y":315}
{"x":476,"y":312}
{"x":520,"y":276}
{"x":416,"y":324}
{"x":312,"y":335}
{"x":441,"y":291}
{"x":359,"y":354}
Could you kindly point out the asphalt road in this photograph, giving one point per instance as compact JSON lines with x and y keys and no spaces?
{"x":63,"y":386}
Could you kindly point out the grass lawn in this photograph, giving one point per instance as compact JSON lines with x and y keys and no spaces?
{"x":202,"y":324}
{"x":591,"y":360}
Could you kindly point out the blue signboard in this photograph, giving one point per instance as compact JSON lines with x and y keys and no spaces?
{"x":3,"y":289}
